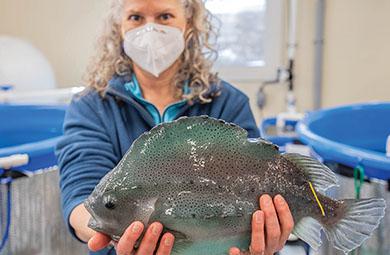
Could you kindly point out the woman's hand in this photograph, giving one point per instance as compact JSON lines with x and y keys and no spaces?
{"x":271,"y":227}
{"x":125,"y":246}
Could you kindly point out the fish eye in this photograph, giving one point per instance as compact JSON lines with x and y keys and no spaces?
{"x":109,"y":203}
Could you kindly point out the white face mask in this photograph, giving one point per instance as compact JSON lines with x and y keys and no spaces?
{"x":154,"y":47}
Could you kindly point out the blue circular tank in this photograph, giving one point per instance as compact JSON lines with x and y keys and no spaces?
{"x":351,"y":135}
{"x":32,"y":130}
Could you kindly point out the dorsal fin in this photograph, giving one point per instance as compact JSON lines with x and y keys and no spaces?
{"x":320,"y":175}
{"x":264,"y":145}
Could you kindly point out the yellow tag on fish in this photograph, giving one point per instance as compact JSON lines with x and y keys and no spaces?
{"x":316,"y":197}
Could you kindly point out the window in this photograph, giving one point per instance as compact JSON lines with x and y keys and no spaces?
{"x":249,"y":43}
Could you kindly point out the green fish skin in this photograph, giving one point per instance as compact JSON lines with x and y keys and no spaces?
{"x":202,"y":178}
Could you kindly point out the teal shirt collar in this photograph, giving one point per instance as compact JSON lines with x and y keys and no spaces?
{"x":170,"y":112}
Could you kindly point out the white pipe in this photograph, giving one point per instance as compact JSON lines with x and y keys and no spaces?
{"x":318,"y":59}
{"x":55,"y":94}
{"x":292,"y":35}
{"x":14,"y":161}
{"x":292,"y":46}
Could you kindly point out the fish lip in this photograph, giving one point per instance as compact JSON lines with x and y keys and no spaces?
{"x":98,"y":227}
{"x":92,"y":223}
{"x":87,"y":205}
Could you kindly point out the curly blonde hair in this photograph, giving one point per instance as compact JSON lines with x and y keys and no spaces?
{"x":195,"y":62}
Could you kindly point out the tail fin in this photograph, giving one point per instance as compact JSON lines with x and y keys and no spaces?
{"x":361,"y":218}
{"x":358,"y":218}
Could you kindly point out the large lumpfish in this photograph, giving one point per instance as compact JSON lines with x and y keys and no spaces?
{"x":201,"y":178}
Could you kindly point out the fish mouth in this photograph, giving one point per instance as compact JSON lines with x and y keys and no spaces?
{"x":88,"y":206}
{"x":96,"y":223}
{"x":93,"y":224}
{"x":107,"y":230}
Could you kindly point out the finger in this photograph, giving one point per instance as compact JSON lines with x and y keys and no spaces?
{"x":285,"y":218}
{"x":234,"y":251}
{"x":272,"y":228}
{"x":150,"y":240}
{"x":98,"y":241}
{"x":258,"y":243}
{"x":166,"y":244}
{"x":126,"y":244}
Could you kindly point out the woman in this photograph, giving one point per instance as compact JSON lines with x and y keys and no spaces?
{"x":152,"y":66}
